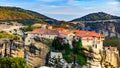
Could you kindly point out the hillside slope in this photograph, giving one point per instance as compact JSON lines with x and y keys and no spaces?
{"x":96,"y":16}
{"x":23,"y":16}
{"x":100,"y":22}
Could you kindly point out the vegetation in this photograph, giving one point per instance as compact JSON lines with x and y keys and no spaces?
{"x":70,"y":55}
{"x":63,"y":24}
{"x":57,"y":46}
{"x":20,"y":15}
{"x":9,"y":36}
{"x":96,"y":16}
{"x":28,"y":28}
{"x":13,"y":15}
{"x":112,"y":41}
{"x":9,"y":62}
{"x":78,"y":51}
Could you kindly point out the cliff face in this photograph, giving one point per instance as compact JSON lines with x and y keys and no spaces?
{"x":107,"y":28}
{"x":107,"y":58}
{"x":94,"y":57}
{"x":100,"y":22}
{"x":111,"y":57}
{"x":36,"y":54}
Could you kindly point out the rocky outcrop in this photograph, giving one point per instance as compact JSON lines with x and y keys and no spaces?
{"x":107,"y":58}
{"x":111,"y":57}
{"x":94,"y":57}
{"x":35,"y":54}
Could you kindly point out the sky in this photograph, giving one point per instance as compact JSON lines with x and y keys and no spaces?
{"x":66,"y":9}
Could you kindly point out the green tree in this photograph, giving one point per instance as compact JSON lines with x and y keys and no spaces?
{"x":81,"y":59}
{"x":78,"y":53}
{"x":57,"y":45}
{"x":9,"y":62}
{"x":112,"y":41}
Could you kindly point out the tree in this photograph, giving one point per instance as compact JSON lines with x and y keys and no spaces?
{"x":112,"y":41}
{"x":81,"y":60}
{"x":78,"y":53}
{"x":57,"y":45}
{"x":9,"y":62}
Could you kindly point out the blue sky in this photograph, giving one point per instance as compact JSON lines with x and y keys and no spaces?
{"x":66,"y":9}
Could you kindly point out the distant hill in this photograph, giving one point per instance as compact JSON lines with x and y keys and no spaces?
{"x":100,"y":22}
{"x":96,"y":16}
{"x":23,"y":16}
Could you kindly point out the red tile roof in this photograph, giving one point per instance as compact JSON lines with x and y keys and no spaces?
{"x":83,"y":33}
{"x":65,"y":32}
{"x":44,"y":31}
{"x":60,"y":29}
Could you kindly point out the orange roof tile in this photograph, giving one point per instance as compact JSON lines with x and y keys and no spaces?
{"x":36,"y":30}
{"x":60,"y":29}
{"x":77,"y":31}
{"x":83,"y":33}
{"x":65,"y":32}
{"x":44,"y":31}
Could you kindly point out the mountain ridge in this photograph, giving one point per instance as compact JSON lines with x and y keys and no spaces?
{"x":16,"y":13}
{"x":96,"y":16}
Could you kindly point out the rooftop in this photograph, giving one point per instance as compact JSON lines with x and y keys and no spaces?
{"x":85,"y":33}
{"x":44,"y":31}
{"x":65,"y":32}
{"x":80,"y":33}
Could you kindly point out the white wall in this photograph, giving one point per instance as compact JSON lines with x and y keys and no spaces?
{"x":93,"y":41}
{"x":29,"y":38}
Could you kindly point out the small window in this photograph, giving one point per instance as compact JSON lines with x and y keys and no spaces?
{"x":98,"y":42}
{"x":95,"y":46}
{"x":10,"y":31}
{"x":28,"y":40}
{"x":98,"y":38}
{"x":87,"y":39}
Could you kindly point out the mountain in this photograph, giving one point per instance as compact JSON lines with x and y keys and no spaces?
{"x":100,"y":22}
{"x":96,"y":16}
{"x":23,"y":16}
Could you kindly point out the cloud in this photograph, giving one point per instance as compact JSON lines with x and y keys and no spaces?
{"x":46,"y":0}
{"x":114,"y":3}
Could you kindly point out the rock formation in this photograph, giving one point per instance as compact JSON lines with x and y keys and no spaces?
{"x":35,"y":54}
{"x":107,"y":58}
{"x":94,"y":57}
{"x":111,"y":57}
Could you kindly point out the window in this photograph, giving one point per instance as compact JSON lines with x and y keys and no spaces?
{"x":87,"y":39}
{"x":95,"y":46}
{"x":15,"y":30}
{"x":98,"y":42}
{"x":98,"y":38}
{"x":28,"y":40}
{"x":10,"y":31}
